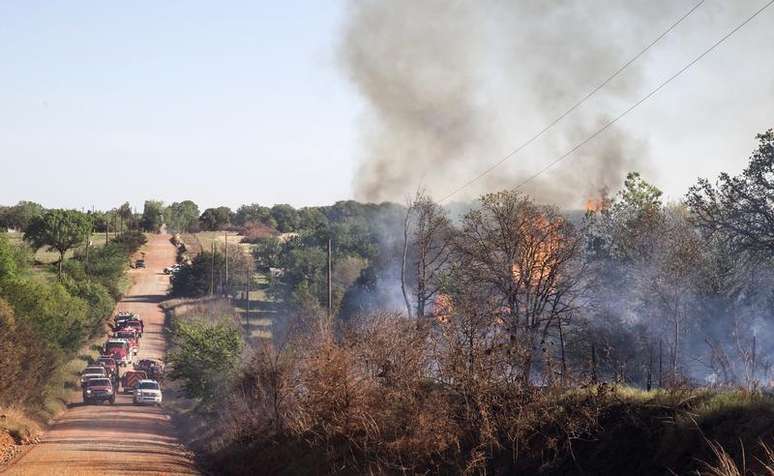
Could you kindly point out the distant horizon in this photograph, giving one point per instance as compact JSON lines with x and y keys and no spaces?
{"x":257,"y":103}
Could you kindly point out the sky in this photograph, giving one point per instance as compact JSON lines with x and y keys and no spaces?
{"x":248,"y":102}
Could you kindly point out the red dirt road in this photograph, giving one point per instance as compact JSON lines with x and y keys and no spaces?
{"x":123,"y":438}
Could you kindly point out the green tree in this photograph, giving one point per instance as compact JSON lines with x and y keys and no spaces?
{"x":182,"y":216}
{"x":286,"y":217}
{"x":20,"y":215}
{"x":204,"y":356}
{"x":126,"y":216}
{"x":152,"y":216}
{"x":740,"y":208}
{"x":60,"y":230}
{"x":256,"y":214}
{"x":215,"y":218}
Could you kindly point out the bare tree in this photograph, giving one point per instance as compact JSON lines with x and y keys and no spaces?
{"x":526,"y":257}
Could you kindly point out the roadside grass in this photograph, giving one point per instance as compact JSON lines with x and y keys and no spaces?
{"x":18,"y":425}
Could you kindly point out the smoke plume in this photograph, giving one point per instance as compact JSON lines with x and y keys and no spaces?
{"x":454,"y":86}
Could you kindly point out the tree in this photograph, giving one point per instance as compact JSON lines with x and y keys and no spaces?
{"x":432,"y":239}
{"x":126,"y":216}
{"x":182,"y":216}
{"x":60,"y":230}
{"x":215,"y":218}
{"x":152,"y":216}
{"x":19,"y":216}
{"x":256,"y":214}
{"x":742,"y":207}
{"x":204,"y":356}
{"x":523,"y":260}
{"x":286,"y":217}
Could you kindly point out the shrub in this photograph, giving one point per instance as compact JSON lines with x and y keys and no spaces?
{"x":204,"y":356}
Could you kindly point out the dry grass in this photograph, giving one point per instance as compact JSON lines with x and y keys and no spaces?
{"x":16,"y":423}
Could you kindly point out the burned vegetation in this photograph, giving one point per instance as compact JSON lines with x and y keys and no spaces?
{"x":634,"y":337}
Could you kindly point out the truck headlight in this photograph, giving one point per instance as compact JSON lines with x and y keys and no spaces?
{"x":88,"y":391}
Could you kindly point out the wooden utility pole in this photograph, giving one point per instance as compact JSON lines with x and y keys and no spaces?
{"x":330,"y":281}
{"x":247,"y":307}
{"x":212,"y":270}
{"x":225,"y":282}
{"x":107,"y":228}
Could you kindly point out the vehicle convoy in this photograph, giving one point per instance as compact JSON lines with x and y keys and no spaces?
{"x":130,"y":379}
{"x":154,"y":368}
{"x":131,"y":336}
{"x":99,"y":390}
{"x":147,"y":391}
{"x":109,"y":363}
{"x":125,"y":321}
{"x":118,"y":349}
{"x":92,"y":372}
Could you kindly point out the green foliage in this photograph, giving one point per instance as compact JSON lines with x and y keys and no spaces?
{"x":152,"y":216}
{"x":215,"y":218}
{"x":740,"y":209}
{"x":26,"y":362}
{"x":182,"y":217}
{"x":286,"y":218}
{"x":49,"y":310}
{"x":254,"y":213}
{"x":20,"y":215}
{"x":13,"y":259}
{"x":130,"y":241}
{"x":60,"y":230}
{"x":100,"y":302}
{"x":204,"y":356}
{"x":266,"y":252}
{"x":194,"y":280}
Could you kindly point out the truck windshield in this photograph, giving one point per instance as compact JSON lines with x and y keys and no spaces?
{"x":99,"y":382}
{"x":148,"y":386}
{"x":115,"y":346}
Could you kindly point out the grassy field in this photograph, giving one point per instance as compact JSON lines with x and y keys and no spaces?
{"x":203,"y":240}
{"x":45,"y":256}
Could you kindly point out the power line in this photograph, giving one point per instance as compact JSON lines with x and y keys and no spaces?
{"x":574,"y":106}
{"x":646,"y":97}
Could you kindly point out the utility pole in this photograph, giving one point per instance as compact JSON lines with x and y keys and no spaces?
{"x":212,"y":270}
{"x":225,"y":282}
{"x":593,"y":364}
{"x":247,"y":306}
{"x":330,"y":283}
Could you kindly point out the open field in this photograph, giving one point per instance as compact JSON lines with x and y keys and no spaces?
{"x":203,"y":240}
{"x":45,"y":256}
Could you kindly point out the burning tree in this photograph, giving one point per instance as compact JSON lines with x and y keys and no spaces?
{"x":524,"y":257}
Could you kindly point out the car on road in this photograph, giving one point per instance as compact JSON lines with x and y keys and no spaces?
{"x":140,"y":263}
{"x":133,"y":322}
{"x":132,"y":336}
{"x":172,"y":269}
{"x":108,"y":362}
{"x":147,"y":391}
{"x":99,"y":390}
{"x":154,"y":368}
{"x":119,"y":349}
{"x":130,"y":379}
{"x":92,"y":372}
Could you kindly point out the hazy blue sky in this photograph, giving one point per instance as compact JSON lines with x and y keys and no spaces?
{"x":246,"y":101}
{"x":220,"y":102}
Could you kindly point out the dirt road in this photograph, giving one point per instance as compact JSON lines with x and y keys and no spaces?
{"x":119,"y":439}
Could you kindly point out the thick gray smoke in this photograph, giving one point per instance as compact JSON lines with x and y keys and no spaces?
{"x":452,"y":87}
